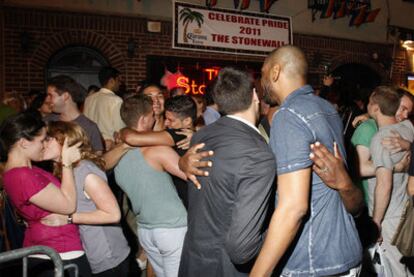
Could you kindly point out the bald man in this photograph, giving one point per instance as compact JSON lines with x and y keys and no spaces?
{"x":312,"y":228}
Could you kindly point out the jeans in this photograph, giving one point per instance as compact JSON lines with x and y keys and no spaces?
{"x":163,"y":247}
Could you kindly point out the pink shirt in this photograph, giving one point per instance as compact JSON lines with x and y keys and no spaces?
{"x":20,"y":185}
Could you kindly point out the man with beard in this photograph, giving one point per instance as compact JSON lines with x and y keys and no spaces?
{"x":226,"y":216}
{"x":312,"y":232}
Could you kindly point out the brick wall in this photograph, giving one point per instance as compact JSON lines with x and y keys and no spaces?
{"x":50,"y":31}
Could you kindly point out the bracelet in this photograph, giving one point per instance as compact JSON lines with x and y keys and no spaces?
{"x":67,"y":166}
{"x":70,"y":219}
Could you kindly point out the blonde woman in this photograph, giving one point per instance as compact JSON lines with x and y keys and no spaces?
{"x":36,"y":193}
{"x":97,"y":210}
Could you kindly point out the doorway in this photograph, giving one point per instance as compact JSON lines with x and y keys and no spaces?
{"x":355,"y":81}
{"x":79,"y":62}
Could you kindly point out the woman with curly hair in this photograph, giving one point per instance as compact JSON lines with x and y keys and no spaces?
{"x":97,"y":209}
{"x":36,"y":193}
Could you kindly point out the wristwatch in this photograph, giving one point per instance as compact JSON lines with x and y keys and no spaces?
{"x":70,"y":219}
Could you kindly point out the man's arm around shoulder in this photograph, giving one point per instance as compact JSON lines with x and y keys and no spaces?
{"x":164,"y":158}
{"x":331,"y":169}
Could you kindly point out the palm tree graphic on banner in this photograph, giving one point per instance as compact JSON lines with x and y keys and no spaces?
{"x":188,"y":16}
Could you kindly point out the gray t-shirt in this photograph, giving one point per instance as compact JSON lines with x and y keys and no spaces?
{"x":381,"y":157}
{"x":105,"y":245}
{"x":90,"y":128}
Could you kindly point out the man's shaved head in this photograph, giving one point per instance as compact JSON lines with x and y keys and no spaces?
{"x":285,"y":63}
{"x":291,"y":59}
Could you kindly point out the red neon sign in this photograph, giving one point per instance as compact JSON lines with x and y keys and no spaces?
{"x":212,"y":72}
{"x":192,"y":87}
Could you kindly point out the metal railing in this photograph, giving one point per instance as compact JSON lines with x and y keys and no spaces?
{"x":23,"y":253}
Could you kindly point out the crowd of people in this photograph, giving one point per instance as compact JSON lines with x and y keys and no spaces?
{"x":252,"y":179}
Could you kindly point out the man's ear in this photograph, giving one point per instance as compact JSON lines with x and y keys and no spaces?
{"x":275,"y":72}
{"x":188,"y":122}
{"x":140,"y":121}
{"x":255,"y":97}
{"x":376,"y":108}
{"x":111,"y":81}
{"x":66,"y":95}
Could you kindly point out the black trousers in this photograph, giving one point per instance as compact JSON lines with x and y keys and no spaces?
{"x":128,"y":268}
{"x":45,"y":268}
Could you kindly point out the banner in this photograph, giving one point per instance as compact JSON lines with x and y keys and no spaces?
{"x":219,"y":30}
